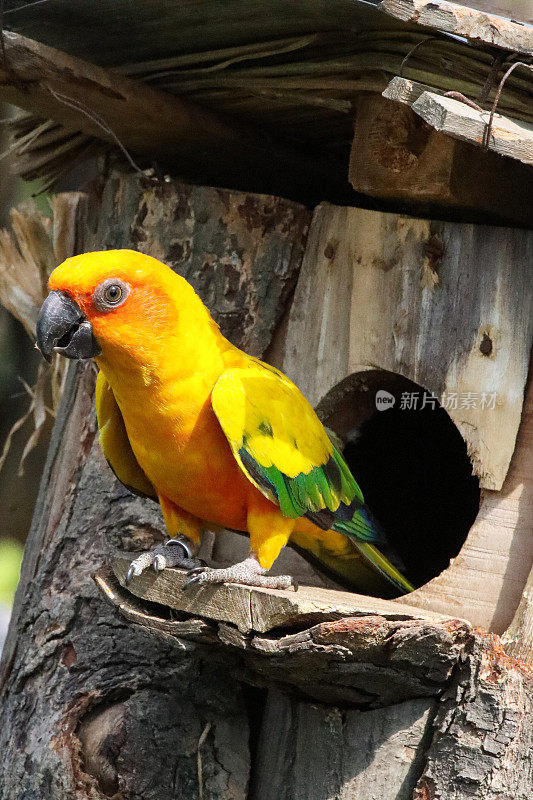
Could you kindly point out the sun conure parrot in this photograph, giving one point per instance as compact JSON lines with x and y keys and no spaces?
{"x":218,"y":437}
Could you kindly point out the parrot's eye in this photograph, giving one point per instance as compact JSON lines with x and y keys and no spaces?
{"x":113,"y":293}
{"x":110,"y":294}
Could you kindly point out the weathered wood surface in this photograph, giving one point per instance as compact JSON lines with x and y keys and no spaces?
{"x":518,"y":638}
{"x":406,"y":91}
{"x":507,"y":137}
{"x":372,"y":294}
{"x":197,"y":142}
{"x":411,"y":653}
{"x":486,"y":581}
{"x":422,"y":299}
{"x":396,"y":155}
{"x":241,"y":252}
{"x":463,"y":21}
{"x":482,"y":738}
{"x":251,"y":609}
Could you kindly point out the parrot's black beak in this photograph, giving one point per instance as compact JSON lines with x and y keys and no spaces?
{"x":63,"y":328}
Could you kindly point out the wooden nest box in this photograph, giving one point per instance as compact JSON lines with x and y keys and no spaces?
{"x":400,"y":305}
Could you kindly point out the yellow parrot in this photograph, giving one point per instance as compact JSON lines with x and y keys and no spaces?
{"x":218,"y":437}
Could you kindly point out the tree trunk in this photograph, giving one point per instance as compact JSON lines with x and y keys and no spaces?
{"x":108,"y":695}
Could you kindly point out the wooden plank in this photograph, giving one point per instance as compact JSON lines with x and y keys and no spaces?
{"x":363,"y":302}
{"x":132,"y":610}
{"x":508,"y":137}
{"x":252,"y":609}
{"x":367,"y":296}
{"x":406,"y":91}
{"x":518,"y":638}
{"x":486,"y":581}
{"x":365,"y":660}
{"x":463,"y":21}
{"x":200,"y":143}
{"x":396,"y":155}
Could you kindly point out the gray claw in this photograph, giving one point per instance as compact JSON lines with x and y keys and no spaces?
{"x":190,"y":582}
{"x":129,"y":574}
{"x":248,"y":573}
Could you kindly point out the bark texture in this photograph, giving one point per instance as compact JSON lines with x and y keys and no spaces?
{"x":241,"y":252}
{"x":375,"y":706}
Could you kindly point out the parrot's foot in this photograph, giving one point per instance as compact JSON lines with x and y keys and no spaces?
{"x":178,"y":552}
{"x":249,"y":572}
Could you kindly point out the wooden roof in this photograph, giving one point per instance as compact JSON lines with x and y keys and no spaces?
{"x":294,"y":72}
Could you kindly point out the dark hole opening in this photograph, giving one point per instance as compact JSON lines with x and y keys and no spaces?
{"x":411,"y":464}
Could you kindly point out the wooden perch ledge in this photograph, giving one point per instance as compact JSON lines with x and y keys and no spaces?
{"x":353,"y":649}
{"x":408,"y":652}
{"x":253,"y":609}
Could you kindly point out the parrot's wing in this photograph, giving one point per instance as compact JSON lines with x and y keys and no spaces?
{"x":115,"y":443}
{"x":283,"y":448}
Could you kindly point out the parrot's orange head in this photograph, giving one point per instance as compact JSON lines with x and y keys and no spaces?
{"x":113,"y":301}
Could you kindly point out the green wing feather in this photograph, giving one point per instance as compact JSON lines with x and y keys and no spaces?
{"x":283,"y":448}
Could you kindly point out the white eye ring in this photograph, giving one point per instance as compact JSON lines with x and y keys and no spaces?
{"x":110,"y":294}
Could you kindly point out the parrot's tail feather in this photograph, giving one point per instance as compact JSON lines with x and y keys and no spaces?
{"x":361,"y":526}
{"x":384,"y":567}
{"x":365,"y":532}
